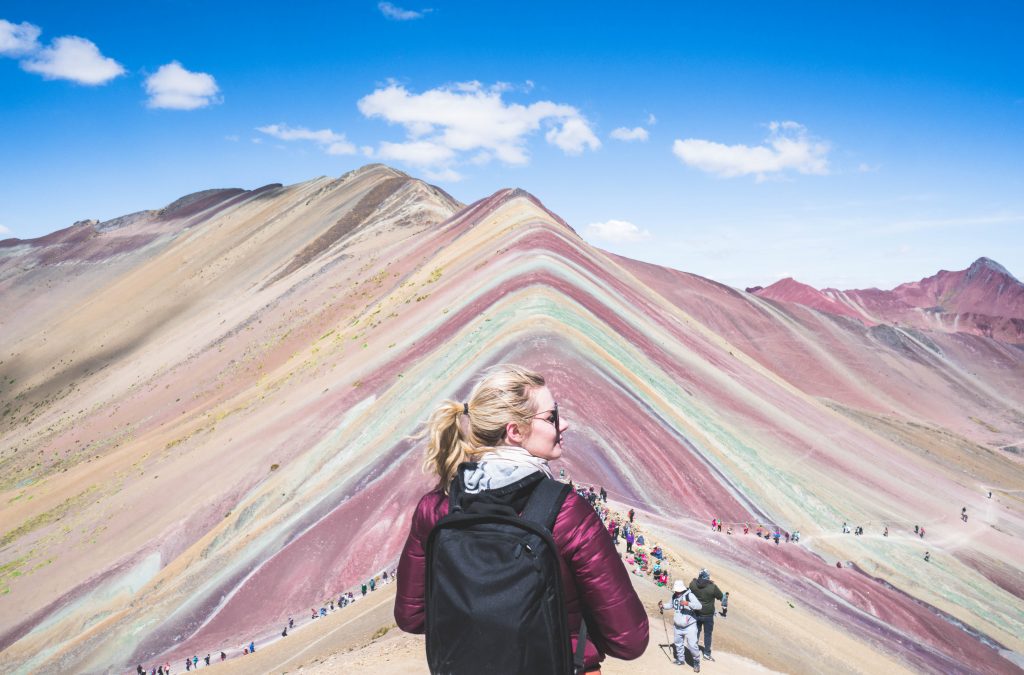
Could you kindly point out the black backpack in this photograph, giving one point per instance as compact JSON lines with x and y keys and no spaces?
{"x":494,"y":587}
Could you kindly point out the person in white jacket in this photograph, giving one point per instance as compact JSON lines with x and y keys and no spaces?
{"x":686,"y":606}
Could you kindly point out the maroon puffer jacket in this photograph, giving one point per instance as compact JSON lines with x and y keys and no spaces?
{"x":592,"y":574}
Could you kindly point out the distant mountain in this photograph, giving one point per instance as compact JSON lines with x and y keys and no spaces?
{"x":984,"y":299}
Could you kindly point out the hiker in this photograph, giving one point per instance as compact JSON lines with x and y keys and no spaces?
{"x":885,"y":532}
{"x":640,"y":540}
{"x":252,"y":647}
{"x":686,"y":606}
{"x":385,"y":575}
{"x":314,"y":613}
{"x":364,"y":590}
{"x":291,"y":622}
{"x":373,"y":584}
{"x":223,"y":656}
{"x":839,"y":565}
{"x":746,"y":529}
{"x":707,"y":592}
{"x":714,"y":524}
{"x":921,"y":533}
{"x":195,"y":662}
{"x":990,"y":494}
{"x":632,"y":513}
{"x":188,"y":665}
{"x":776,"y":537}
{"x":207,"y":659}
{"x":629,"y":541}
{"x":915,"y":529}
{"x":284,"y":633}
{"x":927,"y":556}
{"x":491,"y":453}
{"x":604,"y":495}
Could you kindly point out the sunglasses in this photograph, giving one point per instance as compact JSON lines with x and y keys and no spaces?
{"x":552,"y":418}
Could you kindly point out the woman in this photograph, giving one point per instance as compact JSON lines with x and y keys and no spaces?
{"x":510,"y":427}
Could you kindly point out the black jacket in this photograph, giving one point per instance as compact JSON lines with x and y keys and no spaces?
{"x":707,"y":592}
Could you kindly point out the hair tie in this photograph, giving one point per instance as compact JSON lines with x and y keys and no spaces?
{"x":465,"y":408}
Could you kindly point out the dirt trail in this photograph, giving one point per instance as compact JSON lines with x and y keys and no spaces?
{"x":762,"y":634}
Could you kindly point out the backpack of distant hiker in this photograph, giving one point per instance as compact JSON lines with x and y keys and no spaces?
{"x":494,"y":589}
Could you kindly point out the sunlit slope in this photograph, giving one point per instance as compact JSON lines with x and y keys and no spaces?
{"x":251,"y":457}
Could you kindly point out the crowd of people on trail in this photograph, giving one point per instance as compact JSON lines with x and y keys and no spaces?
{"x":694,"y":604}
{"x":344,"y":600}
{"x":766,"y":532}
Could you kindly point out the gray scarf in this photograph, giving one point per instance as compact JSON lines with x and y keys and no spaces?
{"x":501,"y":466}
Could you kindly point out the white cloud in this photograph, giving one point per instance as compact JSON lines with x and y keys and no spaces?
{"x":634,"y":134}
{"x":788,"y":147}
{"x":617,"y":231}
{"x":468,"y":122}
{"x":18,"y":38}
{"x":4,"y":230}
{"x":73,"y":58}
{"x":174,"y":87}
{"x":329,"y":141}
{"x":233,"y":138}
{"x":651,"y":120}
{"x":573,"y":137}
{"x":342,"y":147}
{"x":419,"y":153}
{"x":398,"y":14}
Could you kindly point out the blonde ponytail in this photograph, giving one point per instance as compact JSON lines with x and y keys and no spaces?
{"x":461,"y":432}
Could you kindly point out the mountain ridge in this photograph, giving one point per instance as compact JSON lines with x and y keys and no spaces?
{"x":983,"y":299}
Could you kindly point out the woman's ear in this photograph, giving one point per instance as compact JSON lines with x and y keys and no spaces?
{"x":513,"y":435}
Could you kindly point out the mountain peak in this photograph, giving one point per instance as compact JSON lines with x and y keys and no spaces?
{"x":982,"y":264}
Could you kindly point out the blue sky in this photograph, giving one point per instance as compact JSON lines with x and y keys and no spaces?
{"x":850,"y":146}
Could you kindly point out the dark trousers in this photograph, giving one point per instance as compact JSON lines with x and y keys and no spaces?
{"x":707,"y":622}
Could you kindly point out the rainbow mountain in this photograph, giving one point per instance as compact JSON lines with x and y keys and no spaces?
{"x":208,"y":417}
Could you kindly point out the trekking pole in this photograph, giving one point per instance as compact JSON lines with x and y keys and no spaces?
{"x":671,"y":645}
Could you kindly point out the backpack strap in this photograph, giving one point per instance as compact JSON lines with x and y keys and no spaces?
{"x":545,"y":502}
{"x":578,"y":664}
